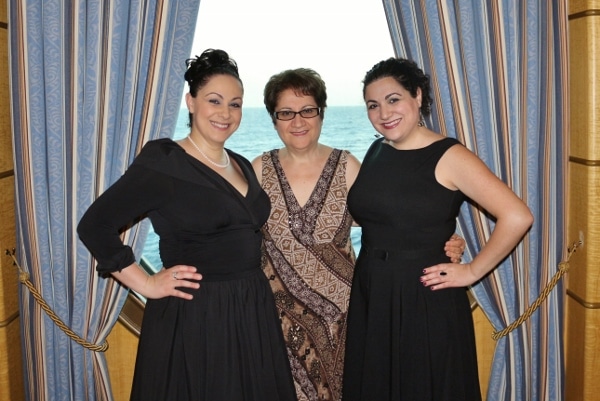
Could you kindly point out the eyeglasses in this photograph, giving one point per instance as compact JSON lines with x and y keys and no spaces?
{"x":287,"y":115}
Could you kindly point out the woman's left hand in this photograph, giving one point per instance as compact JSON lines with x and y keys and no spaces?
{"x":448,"y":275}
{"x":455,"y":247}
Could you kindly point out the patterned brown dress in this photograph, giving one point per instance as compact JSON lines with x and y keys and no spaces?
{"x":309,"y":261}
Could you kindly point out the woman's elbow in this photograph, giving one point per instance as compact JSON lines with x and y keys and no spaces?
{"x":86,"y":227}
{"x":524,"y":219}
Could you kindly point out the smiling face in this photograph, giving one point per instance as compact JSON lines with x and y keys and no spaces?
{"x":216,"y":109}
{"x":393,"y":112}
{"x":298,"y":133}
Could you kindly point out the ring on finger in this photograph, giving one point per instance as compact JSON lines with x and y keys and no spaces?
{"x":174,"y":274}
{"x":442,"y":273}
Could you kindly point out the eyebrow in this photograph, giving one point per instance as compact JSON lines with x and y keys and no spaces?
{"x":221,"y":96}
{"x":287,"y":108}
{"x":214,"y":93}
{"x":385,"y":98}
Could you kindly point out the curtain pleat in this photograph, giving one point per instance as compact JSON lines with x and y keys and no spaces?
{"x":499,"y":76}
{"x":91,"y":82}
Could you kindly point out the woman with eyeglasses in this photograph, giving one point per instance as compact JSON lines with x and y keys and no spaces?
{"x":309,"y":258}
{"x":210,"y":329}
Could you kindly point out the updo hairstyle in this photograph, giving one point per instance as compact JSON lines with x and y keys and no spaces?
{"x":210,"y":63}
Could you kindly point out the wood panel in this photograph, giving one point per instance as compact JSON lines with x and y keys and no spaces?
{"x":584,"y":222}
{"x":582,"y":328}
{"x":120,"y":357}
{"x":485,"y":348}
{"x":584,"y":61}
{"x":9,"y":304}
{"x":578,"y":6}
{"x":6,"y":158}
{"x":11,"y":378}
{"x":583,"y":356}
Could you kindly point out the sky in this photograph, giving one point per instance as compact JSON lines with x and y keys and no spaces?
{"x":340,"y":39}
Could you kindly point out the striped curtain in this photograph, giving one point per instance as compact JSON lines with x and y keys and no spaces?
{"x":91,"y":82}
{"x":499,"y":79}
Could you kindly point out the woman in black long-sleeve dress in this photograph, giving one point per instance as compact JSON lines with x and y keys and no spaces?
{"x":210,"y":328}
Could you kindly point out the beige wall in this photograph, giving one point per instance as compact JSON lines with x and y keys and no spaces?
{"x":120,"y":357}
{"x":582,"y":338}
{"x":11,"y":379}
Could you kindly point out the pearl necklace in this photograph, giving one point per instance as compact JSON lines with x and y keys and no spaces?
{"x":208,"y":158}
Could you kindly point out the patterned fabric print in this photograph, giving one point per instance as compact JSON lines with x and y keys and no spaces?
{"x":309,"y":261}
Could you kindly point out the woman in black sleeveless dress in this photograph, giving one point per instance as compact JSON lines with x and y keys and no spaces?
{"x":410,"y":332}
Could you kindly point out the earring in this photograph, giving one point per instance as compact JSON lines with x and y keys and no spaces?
{"x":421,"y":120}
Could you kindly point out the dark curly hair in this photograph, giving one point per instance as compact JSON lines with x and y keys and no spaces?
{"x":408,"y":74}
{"x":302,"y":81}
{"x":203,"y":67}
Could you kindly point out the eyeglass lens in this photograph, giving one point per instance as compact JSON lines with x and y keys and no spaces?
{"x":286,"y":115}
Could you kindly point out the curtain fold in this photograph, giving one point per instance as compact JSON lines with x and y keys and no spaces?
{"x":91,"y":82}
{"x":499,"y":73}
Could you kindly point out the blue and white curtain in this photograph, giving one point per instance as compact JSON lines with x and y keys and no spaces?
{"x":91,"y":82}
{"x":499,"y":74}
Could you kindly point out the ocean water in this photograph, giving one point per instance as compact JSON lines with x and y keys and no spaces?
{"x":344,"y":127}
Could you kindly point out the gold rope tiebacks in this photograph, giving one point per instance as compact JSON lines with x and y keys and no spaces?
{"x":563,"y":267}
{"x":24,"y":278}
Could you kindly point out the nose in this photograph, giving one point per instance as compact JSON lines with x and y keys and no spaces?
{"x":298,"y":120}
{"x":384,"y":112}
{"x":225,"y":111}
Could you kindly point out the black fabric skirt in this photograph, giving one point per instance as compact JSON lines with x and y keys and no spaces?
{"x":224,"y":345}
{"x":406,"y":342}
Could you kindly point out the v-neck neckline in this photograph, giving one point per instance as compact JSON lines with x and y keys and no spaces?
{"x":321,"y":181}
{"x":218,"y":177}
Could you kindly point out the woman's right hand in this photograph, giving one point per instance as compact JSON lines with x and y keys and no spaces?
{"x":165,"y":283}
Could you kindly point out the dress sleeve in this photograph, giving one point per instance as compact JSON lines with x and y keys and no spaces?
{"x":126,"y":202}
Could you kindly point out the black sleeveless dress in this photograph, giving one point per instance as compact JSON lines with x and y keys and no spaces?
{"x":404,"y":341}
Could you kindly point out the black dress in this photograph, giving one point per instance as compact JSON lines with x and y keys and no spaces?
{"x":226,"y":344}
{"x":404,"y":341}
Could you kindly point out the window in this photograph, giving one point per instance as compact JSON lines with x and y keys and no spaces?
{"x":340,"y":40}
